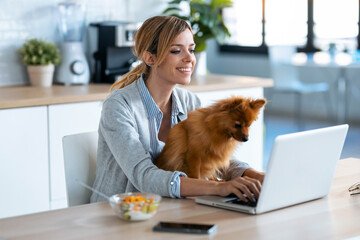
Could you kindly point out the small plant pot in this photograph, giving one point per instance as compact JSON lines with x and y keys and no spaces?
{"x":41,"y":76}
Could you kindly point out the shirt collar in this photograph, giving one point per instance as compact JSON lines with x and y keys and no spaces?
{"x":150,"y":105}
{"x":176,"y":106}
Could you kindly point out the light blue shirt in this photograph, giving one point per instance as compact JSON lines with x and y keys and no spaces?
{"x":155,"y":117}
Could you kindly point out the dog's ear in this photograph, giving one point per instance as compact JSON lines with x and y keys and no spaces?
{"x":231,"y":103}
{"x":258,"y":103}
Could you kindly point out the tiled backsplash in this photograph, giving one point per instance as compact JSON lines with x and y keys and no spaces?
{"x":23,"y":19}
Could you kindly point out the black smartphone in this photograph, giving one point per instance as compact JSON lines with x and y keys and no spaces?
{"x":184,"y":227}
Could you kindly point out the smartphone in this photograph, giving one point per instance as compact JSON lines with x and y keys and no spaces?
{"x":184,"y":227}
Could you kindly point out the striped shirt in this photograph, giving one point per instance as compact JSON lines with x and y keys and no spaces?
{"x":154,"y":118}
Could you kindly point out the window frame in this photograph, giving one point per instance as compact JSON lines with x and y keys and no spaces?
{"x":263,"y":48}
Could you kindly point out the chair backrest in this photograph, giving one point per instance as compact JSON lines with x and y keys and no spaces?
{"x":284,"y":74}
{"x":80,"y":154}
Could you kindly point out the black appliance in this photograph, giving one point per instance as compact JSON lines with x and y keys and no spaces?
{"x":114,"y":56}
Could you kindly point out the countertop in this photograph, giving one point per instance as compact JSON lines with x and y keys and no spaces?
{"x":29,"y":96}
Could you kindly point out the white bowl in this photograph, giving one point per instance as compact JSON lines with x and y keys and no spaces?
{"x":135,"y":206}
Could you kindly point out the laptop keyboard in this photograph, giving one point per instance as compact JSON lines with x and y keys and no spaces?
{"x":240,"y":202}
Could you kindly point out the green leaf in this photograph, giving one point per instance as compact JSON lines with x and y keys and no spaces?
{"x":171,"y":9}
{"x":219,"y":4}
{"x":177,"y":1}
{"x":197,"y":1}
{"x":200,"y":46}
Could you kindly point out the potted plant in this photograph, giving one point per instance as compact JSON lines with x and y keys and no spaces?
{"x":204,"y":18}
{"x":40,"y":57}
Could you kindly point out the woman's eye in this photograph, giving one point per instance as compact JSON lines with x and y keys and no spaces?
{"x":192,"y":51}
{"x":175,"y":51}
{"x":237,"y":125}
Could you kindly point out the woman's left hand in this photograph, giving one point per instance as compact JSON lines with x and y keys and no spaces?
{"x":252,"y":173}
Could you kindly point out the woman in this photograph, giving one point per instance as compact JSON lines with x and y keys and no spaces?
{"x":138,"y":114}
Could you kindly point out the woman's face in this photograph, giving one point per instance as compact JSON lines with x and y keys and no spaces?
{"x":179,"y":61}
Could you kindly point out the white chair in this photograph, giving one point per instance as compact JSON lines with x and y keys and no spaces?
{"x":286,"y":80}
{"x":80,"y":154}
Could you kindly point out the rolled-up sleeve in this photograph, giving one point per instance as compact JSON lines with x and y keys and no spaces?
{"x":175,"y":184}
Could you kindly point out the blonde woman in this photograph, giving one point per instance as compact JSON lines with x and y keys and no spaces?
{"x":138,"y":114}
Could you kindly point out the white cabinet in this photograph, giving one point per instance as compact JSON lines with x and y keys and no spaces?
{"x":65,"y":119}
{"x":250,"y":152}
{"x":24,"y":166}
{"x":32,"y":177}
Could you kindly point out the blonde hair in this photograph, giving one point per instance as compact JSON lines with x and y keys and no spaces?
{"x":155,"y":36}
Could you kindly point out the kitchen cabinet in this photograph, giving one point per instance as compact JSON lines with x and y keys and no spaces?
{"x":250,"y":152}
{"x":66,"y":119}
{"x":32,"y":177}
{"x":24,"y":165}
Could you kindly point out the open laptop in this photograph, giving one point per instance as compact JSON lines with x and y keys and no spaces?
{"x":301,"y":168}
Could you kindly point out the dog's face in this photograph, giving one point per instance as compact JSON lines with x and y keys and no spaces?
{"x":241,"y":113}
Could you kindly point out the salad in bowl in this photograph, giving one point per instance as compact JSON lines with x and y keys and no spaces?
{"x":135,"y":206}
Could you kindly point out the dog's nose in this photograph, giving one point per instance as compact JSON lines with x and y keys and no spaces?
{"x":245,"y":139}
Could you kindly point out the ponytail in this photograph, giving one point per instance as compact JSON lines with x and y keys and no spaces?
{"x":131,"y":76}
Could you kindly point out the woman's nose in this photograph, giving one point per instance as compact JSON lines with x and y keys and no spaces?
{"x":189,"y":57}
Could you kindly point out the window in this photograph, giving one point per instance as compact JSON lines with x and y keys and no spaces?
{"x":337,"y":24}
{"x":311,"y":24}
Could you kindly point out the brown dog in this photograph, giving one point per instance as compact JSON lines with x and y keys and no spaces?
{"x":202,"y":144}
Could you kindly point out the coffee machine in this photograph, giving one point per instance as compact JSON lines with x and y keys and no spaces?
{"x":114,"y":56}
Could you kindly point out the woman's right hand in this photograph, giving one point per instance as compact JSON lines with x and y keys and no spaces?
{"x":240,"y":186}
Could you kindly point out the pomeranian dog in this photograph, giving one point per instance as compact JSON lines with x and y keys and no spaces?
{"x":202,"y":145}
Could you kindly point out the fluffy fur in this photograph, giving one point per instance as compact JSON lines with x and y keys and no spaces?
{"x":202,"y":144}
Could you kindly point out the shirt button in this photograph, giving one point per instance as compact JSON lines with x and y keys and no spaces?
{"x":171,"y":183}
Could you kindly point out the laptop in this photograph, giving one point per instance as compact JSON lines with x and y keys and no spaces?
{"x":301,"y":168}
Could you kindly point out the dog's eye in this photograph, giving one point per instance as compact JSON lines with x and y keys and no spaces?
{"x":237,"y":125}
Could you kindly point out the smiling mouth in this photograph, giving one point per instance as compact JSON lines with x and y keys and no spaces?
{"x":184,"y":69}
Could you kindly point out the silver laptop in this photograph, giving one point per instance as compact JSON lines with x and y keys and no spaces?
{"x":301,"y":168}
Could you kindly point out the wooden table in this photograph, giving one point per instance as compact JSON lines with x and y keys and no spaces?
{"x":334,"y":217}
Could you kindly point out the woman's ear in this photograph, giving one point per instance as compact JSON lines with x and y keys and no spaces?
{"x":149,"y":58}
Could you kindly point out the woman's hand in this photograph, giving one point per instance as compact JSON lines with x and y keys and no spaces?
{"x":252,"y":173}
{"x":240,"y":186}
{"x":250,"y":184}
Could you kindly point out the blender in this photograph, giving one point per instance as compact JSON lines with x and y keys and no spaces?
{"x":74,"y":68}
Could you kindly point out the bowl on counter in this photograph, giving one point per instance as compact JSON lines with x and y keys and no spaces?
{"x":135,"y":206}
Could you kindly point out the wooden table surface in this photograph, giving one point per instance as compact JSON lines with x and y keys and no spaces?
{"x":29,"y":96}
{"x":334,"y":217}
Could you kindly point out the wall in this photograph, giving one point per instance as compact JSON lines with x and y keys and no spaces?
{"x":23,"y":19}
{"x":258,"y":66}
